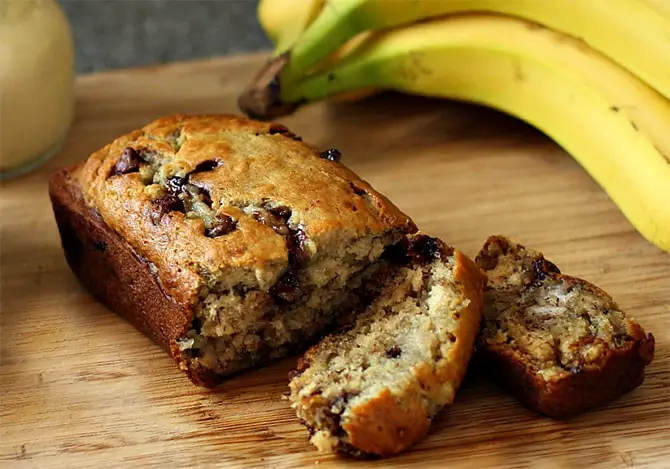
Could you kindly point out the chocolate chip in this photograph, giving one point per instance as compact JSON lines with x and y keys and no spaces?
{"x":396,"y":253}
{"x":196,"y":325}
{"x":425,"y":249}
{"x":169,"y":203}
{"x":224,"y":225}
{"x":281,"y":130}
{"x":194,"y":352}
{"x":393,"y":352}
{"x":542,"y":268}
{"x":277,"y":218}
{"x":204,"y":196}
{"x":282,"y":212}
{"x":332,"y":154}
{"x":205,"y":166}
{"x":128,"y":163}
{"x":176,"y":184}
{"x":295,"y":243}
{"x":273,"y":221}
{"x":286,"y":288}
{"x":421,"y":249}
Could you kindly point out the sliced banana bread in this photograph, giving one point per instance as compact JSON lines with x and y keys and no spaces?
{"x":559,"y":343}
{"x":228,"y":241}
{"x":374,"y":388}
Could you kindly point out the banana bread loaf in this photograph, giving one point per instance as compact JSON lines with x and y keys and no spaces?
{"x":374,"y":388}
{"x":229,"y":241}
{"x":559,"y":343}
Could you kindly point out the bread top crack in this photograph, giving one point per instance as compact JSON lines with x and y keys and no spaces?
{"x":217,"y":201}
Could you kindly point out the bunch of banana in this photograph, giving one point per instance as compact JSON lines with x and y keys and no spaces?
{"x":285,"y":20}
{"x":593,"y":75}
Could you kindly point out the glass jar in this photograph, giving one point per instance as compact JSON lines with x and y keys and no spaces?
{"x":36,"y":83}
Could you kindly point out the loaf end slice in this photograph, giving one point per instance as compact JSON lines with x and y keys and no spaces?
{"x":374,"y":388}
{"x":559,"y":344}
{"x":114,"y":273}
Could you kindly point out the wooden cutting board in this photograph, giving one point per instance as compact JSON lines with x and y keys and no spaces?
{"x":79,"y":387}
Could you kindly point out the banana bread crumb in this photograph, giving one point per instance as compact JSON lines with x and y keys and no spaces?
{"x":374,"y":388}
{"x":559,"y":343}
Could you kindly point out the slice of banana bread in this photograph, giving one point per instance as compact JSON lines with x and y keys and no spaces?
{"x":229,"y":241}
{"x":559,"y":343}
{"x":374,"y":388}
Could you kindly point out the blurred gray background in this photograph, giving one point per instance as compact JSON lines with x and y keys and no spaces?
{"x":113,"y":34}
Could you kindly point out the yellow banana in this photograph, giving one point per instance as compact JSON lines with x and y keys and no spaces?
{"x":662,"y":7}
{"x":285,"y":20}
{"x":610,"y":121}
{"x":628,"y":31}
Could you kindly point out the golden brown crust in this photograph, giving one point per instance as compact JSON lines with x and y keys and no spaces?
{"x":620,"y":371}
{"x":112,"y":270}
{"x":615,"y":371}
{"x":258,"y":161}
{"x":472,"y":280}
{"x":451,"y":368}
{"x":384,"y":427}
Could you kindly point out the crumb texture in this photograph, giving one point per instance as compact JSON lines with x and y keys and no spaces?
{"x":561,"y":331}
{"x":375,"y":387}
{"x":258,"y":235}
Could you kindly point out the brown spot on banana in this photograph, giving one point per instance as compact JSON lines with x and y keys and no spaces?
{"x":533,"y":26}
{"x":519,"y":75}
{"x":663,"y":155}
{"x":411,"y":68}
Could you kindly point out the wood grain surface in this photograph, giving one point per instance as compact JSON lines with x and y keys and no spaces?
{"x":79,"y":387}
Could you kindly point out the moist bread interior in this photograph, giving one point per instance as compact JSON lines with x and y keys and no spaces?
{"x":216,"y":206}
{"x":408,"y":323}
{"x":234,"y":328}
{"x":236,"y":322}
{"x":560,"y":325}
